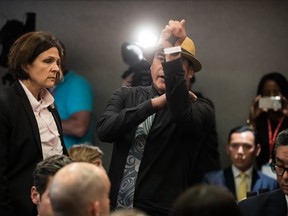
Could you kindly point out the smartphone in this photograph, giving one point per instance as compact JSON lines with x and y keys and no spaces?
{"x":270,"y":103}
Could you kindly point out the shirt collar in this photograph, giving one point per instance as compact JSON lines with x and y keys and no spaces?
{"x":236,"y":171}
{"x":46,"y":98}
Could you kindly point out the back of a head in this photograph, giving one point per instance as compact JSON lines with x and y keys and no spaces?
{"x":206,"y":200}
{"x":76,"y":187}
{"x":128,"y":212}
{"x":86,"y":153}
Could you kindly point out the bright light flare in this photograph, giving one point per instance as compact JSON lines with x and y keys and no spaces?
{"x":146,"y":39}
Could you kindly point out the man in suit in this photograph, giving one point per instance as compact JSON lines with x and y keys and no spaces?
{"x":243,"y":151}
{"x":273,"y":202}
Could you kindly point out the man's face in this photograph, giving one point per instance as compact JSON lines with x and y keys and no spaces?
{"x":282,"y":160}
{"x":157,"y":72}
{"x":43,"y":203}
{"x":242,"y":150}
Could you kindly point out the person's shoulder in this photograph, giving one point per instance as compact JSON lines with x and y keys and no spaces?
{"x":216,"y":174}
{"x":258,"y":200}
{"x":266,"y":177}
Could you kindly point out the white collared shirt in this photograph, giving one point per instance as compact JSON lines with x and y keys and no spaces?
{"x":236,"y":174}
{"x":49,"y":135}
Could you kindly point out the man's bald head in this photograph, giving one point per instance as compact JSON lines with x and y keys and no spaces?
{"x":80,"y":189}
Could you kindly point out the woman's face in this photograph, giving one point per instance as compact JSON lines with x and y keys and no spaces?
{"x":44,"y":69}
{"x":271,"y":88}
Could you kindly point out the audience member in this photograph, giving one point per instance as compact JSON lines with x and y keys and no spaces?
{"x":86,"y":153}
{"x":74,"y":98}
{"x":128,"y":212}
{"x":268,"y":121}
{"x":42,"y":178}
{"x":30,"y":127}
{"x":242,"y":177}
{"x":171,"y":145}
{"x":273,"y":202}
{"x":205,"y":200}
{"x":80,"y":189}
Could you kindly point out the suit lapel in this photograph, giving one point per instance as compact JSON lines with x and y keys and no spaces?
{"x":229,"y":180}
{"x":28,"y":109}
{"x":255,"y":177}
{"x":57,"y":119}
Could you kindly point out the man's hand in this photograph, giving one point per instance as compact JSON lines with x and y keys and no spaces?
{"x":173,"y":34}
{"x":159,"y":102}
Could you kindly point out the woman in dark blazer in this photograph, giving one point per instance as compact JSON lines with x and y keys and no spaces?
{"x":30,"y":127}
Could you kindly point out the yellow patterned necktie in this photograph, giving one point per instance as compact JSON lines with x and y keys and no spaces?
{"x":242,"y":187}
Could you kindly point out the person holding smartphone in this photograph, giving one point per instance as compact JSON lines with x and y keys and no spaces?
{"x":269,"y":114}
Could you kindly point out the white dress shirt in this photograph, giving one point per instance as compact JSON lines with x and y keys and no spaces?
{"x":49,"y":135}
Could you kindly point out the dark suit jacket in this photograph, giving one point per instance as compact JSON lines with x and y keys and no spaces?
{"x":20,"y":150}
{"x":225,"y":178}
{"x":266,"y":204}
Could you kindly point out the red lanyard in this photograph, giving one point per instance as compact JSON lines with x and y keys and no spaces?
{"x":272,"y":136}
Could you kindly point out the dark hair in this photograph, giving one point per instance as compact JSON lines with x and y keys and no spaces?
{"x":276,"y":77}
{"x":281,"y":140}
{"x":47,"y":168}
{"x":240,"y":129}
{"x":26,"y":49}
{"x":206,"y":200}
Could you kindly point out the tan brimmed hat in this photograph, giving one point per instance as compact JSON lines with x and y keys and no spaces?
{"x":188,"y":51}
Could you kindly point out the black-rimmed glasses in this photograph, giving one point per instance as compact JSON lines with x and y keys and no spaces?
{"x":279,"y":170}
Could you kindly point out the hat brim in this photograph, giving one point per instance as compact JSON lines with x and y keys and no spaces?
{"x":196,"y":64}
{"x":149,"y":53}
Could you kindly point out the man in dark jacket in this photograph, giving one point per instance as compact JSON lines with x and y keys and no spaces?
{"x":151,"y":174}
{"x":274,"y":202}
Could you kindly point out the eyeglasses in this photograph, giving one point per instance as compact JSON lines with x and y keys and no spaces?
{"x":279,"y":170}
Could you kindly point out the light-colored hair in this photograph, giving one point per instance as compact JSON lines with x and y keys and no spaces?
{"x":85,"y":153}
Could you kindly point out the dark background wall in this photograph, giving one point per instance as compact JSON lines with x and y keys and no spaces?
{"x":236,"y":41}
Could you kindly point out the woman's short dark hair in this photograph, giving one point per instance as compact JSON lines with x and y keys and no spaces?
{"x":26,"y":49}
{"x":276,"y":77}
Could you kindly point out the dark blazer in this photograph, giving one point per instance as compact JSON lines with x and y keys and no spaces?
{"x":20,"y":150}
{"x":225,"y":178}
{"x":266,"y":204}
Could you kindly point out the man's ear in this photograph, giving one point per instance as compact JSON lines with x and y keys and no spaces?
{"x":190,"y":73}
{"x":35,"y":196}
{"x":258,"y":149}
{"x":95,"y":210}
